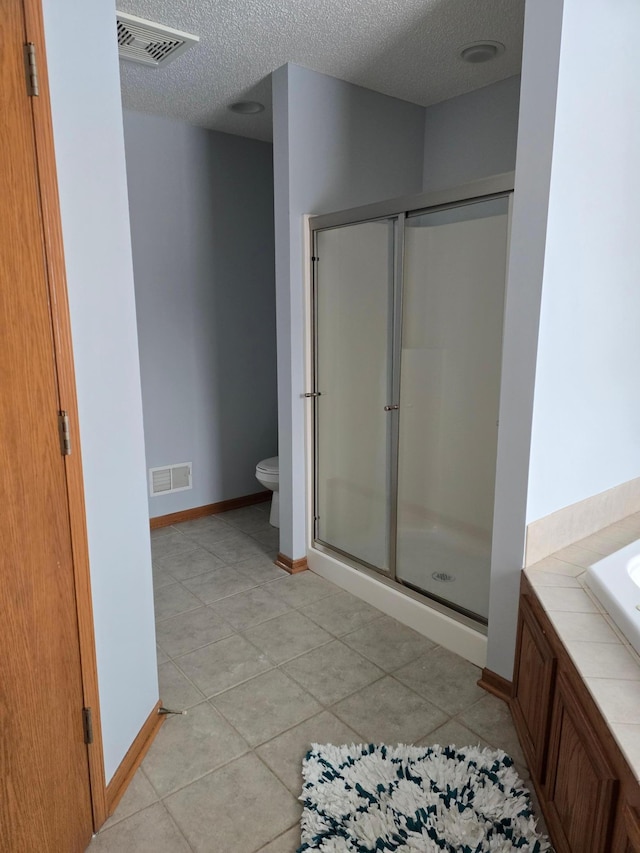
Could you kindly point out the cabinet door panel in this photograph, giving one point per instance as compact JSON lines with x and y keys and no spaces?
{"x":627,"y":838}
{"x":581,"y":787}
{"x":533,"y":682}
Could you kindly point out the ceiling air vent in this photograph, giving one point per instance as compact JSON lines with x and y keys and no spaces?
{"x":150,"y":43}
{"x":170,"y":478}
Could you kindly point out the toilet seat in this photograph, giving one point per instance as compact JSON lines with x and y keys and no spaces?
{"x":268,"y":466}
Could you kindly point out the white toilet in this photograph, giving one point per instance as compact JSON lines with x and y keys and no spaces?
{"x":268,"y":475}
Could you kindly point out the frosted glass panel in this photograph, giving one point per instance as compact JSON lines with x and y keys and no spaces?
{"x":454,"y":277}
{"x":354,"y":284}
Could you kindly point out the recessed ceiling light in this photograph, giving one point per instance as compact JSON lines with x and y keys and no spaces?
{"x":246,"y":108}
{"x":481,"y":51}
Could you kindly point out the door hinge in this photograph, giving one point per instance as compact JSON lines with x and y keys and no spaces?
{"x":65,"y":435}
{"x":87,"y":724}
{"x":31,"y":63}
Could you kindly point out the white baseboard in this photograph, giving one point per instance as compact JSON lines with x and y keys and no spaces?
{"x":436,"y":626}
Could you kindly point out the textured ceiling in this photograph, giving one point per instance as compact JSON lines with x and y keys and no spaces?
{"x":405,"y":48}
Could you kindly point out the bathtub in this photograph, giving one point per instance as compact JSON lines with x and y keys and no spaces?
{"x":615,"y":581}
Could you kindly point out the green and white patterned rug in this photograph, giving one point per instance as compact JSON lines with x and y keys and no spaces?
{"x":362,"y":798}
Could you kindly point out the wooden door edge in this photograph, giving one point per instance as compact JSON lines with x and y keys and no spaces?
{"x":120,"y":780}
{"x":56,"y":273}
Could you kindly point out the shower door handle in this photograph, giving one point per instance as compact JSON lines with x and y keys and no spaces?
{"x":313,"y":394}
{"x":391,"y":408}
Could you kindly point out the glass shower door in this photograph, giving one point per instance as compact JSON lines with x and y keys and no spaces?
{"x":453,"y":306}
{"x":353,"y":316}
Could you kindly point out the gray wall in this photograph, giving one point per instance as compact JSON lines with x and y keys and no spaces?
{"x":201,"y":206}
{"x":87,"y":125}
{"x":472,"y":136}
{"x":586,"y":418}
{"x":543,"y":24}
{"x":335,"y":146}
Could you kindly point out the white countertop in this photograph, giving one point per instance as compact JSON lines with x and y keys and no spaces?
{"x":602,"y":655}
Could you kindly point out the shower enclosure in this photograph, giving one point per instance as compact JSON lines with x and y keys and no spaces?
{"x":407,"y":313}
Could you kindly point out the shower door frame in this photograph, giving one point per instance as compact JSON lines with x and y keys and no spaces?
{"x":398,"y":209}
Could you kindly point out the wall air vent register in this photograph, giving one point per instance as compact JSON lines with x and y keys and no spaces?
{"x":150,"y":43}
{"x":170,"y":478}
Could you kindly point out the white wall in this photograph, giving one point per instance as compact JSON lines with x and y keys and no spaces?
{"x":586,"y":423}
{"x":87,"y":122}
{"x":201,"y":207}
{"x":335,"y":146}
{"x":472,"y":136}
{"x":522,"y":308}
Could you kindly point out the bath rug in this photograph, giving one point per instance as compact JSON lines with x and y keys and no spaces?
{"x":362,"y":798}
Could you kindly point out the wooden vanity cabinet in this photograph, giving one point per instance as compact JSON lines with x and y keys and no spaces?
{"x":581,"y":787}
{"x":627,"y":831}
{"x":533,"y":682}
{"x":588,"y":794}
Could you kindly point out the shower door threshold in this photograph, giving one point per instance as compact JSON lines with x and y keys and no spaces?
{"x":463,"y":617}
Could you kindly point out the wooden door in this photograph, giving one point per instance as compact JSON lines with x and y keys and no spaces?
{"x":533,"y":682}
{"x":45,"y":800}
{"x":581,"y":787}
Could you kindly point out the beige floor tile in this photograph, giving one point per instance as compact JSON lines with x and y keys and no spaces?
{"x":388,"y":643}
{"x":192,"y":630}
{"x":270,"y":537}
{"x":219,"y":584}
{"x":161,"y":533}
{"x":250,"y":607}
{"x":332,"y":672}
{"x":235,"y":549}
{"x":287,"y":843}
{"x":210,"y":525}
{"x":236,"y":809}
{"x":388,"y":712}
{"x":223,"y":664}
{"x":260,"y":569}
{"x":265,"y":706}
{"x":167,"y":541}
{"x":160,"y":655}
{"x":149,"y":831}
{"x":176,"y":692}
{"x":161,"y":577}
{"x":491,"y":719}
{"x":453,"y":733}
{"x":443,"y":678}
{"x":248,"y":519}
{"x":173,"y":599}
{"x":138,"y":796}
{"x":188,"y":747}
{"x":284,"y":754}
{"x":287,"y":636}
{"x":302,"y":589}
{"x":341,"y":613}
{"x":189,"y":564}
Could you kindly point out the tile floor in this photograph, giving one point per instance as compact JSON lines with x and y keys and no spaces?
{"x":265,"y":663}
